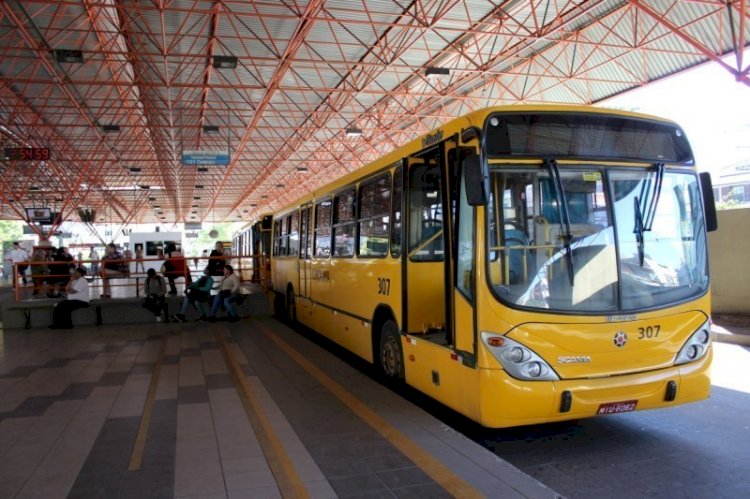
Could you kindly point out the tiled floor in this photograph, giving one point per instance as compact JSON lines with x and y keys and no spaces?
{"x":223,"y":413}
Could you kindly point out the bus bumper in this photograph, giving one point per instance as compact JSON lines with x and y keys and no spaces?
{"x":506,"y":401}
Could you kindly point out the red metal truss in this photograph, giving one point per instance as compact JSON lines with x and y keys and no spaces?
{"x":148,"y":89}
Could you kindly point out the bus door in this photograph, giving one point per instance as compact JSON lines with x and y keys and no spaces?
{"x":463,"y":272}
{"x":303,"y":287}
{"x":425,"y":257}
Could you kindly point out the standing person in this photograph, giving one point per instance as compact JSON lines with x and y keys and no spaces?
{"x":199,"y":292}
{"x":78,"y":297}
{"x":155,"y":290}
{"x":39,"y":269}
{"x":112,"y":266}
{"x":18,"y":254}
{"x":216,"y":260}
{"x":59,"y":271}
{"x":139,"y":258}
{"x":94,"y":257}
{"x":175,"y":266}
{"x":228,"y":292}
{"x":7,"y":266}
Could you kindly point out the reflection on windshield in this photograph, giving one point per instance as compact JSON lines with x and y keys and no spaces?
{"x":527,"y":263}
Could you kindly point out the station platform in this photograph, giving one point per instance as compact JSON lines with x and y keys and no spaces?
{"x":247,"y":409}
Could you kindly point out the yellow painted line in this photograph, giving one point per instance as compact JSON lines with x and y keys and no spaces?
{"x":278,"y":460}
{"x":136,"y":458}
{"x":440,"y":473}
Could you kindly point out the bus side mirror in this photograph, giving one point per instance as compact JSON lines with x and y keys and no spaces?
{"x":709,"y":206}
{"x":477,"y":181}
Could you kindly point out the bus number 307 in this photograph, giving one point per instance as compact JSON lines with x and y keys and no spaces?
{"x":384,"y":286}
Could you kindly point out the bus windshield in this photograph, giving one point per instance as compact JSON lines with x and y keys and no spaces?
{"x":596,"y":256}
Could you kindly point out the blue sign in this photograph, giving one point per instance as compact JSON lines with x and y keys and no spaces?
{"x":215,"y":158}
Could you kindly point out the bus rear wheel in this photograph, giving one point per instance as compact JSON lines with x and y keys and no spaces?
{"x":391,"y":354}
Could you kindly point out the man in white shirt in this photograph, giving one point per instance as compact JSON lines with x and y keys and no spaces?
{"x":18,"y":254}
{"x":78,"y":297}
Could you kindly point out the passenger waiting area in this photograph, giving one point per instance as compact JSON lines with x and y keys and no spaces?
{"x":118,"y":297}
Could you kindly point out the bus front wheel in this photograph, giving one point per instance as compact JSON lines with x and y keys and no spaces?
{"x":391,"y":354}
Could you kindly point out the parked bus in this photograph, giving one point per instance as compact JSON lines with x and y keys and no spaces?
{"x":521,"y":264}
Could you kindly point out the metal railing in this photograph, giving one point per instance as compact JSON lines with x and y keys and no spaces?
{"x":128,"y":274}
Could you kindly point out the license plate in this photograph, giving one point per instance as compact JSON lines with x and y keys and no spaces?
{"x":617,"y":407}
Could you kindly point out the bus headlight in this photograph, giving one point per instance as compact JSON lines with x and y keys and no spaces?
{"x":518,"y":360}
{"x":696,"y":346}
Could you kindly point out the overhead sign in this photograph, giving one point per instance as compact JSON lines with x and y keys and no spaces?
{"x":191,"y":235}
{"x":193,"y":225}
{"x":215,"y":158}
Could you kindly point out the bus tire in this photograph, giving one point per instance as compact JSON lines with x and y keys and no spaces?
{"x":391,"y":357}
{"x":291,"y":305}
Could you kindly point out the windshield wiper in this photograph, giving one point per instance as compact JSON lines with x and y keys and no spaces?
{"x":648,"y":218}
{"x":562,"y":214}
{"x":644,"y":216}
{"x":638,"y":229}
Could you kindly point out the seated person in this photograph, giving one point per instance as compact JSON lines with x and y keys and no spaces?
{"x":77,"y":290}
{"x":155,"y":290}
{"x":175,"y":266}
{"x":198,"y":292}
{"x":228,"y":292}
{"x":112,"y":266}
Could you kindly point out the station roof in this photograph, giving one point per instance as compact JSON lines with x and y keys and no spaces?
{"x":130,"y":95}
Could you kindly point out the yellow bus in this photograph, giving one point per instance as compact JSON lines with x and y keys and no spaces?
{"x":521,"y":264}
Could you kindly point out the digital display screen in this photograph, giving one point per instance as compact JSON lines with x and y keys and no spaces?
{"x":27,"y":153}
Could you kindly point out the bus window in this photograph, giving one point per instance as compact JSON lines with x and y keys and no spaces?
{"x":284,"y":249}
{"x":323,"y":229}
{"x":425,"y":214}
{"x":344,"y":223}
{"x":304,"y":234}
{"x":277,"y":237}
{"x":294,"y":234}
{"x":374,"y":203}
{"x":396,"y":203}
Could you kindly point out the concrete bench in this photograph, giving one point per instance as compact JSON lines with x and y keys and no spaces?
{"x":38,"y":313}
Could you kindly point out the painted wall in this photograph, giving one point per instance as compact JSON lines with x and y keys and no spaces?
{"x":729,"y":257}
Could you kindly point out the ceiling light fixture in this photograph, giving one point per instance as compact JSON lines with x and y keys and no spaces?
{"x":71,"y":56}
{"x":199,"y":187}
{"x":210,"y":129}
{"x":225,"y":62}
{"x":353,"y":132}
{"x":202,"y":169}
{"x":196,"y":197}
{"x":436,"y":72}
{"x":301,"y":168}
{"x":134,"y":169}
{"x":111,"y":128}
